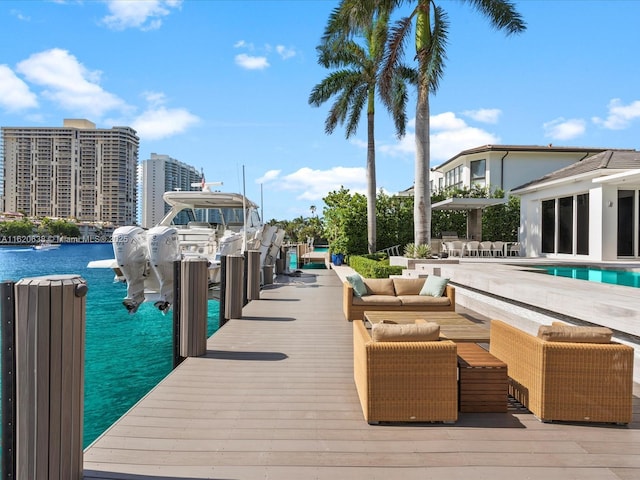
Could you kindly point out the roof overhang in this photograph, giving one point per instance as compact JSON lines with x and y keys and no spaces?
{"x":467,"y":203}
{"x":630,"y":176}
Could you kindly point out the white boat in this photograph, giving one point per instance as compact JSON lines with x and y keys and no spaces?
{"x":203,"y":224}
{"x":46,"y":246}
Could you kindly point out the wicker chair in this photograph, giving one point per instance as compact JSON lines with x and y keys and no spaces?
{"x":405,"y":381}
{"x":583,"y":382}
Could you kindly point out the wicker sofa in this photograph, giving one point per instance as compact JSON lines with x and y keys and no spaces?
{"x":566,"y":381}
{"x":405,"y":381}
{"x":394,"y":294}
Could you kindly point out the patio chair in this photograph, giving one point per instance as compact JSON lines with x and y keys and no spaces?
{"x":513,"y":250}
{"x":455,"y":248}
{"x":472,"y":248}
{"x":497,"y":249}
{"x":405,"y":381}
{"x":485,"y":249}
{"x":566,"y":380}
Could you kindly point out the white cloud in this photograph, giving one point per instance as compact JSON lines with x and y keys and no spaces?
{"x":485,"y":115}
{"x":562,"y":129}
{"x":142,"y":14}
{"x":250,"y":62}
{"x":314,"y":185}
{"x":269,"y":176}
{"x":160,"y":122}
{"x":19,"y":15}
{"x":284,"y":52}
{"x":620,"y":116}
{"x":69,"y":83}
{"x":449,"y":136}
{"x":14,"y":93}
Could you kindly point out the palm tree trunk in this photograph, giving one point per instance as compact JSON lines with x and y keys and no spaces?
{"x":371,"y":184}
{"x":422,"y":198}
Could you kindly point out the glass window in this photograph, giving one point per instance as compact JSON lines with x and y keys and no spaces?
{"x":625,"y":222}
{"x":582,"y":224}
{"x":478,"y":172}
{"x":548,"y":226}
{"x":565,"y":225}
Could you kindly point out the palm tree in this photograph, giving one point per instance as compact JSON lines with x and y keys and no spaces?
{"x":430,"y":23}
{"x":354,"y":83}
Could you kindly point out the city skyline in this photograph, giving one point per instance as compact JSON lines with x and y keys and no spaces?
{"x":223,"y":86}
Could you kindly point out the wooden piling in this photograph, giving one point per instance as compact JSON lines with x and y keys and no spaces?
{"x":50,"y":331}
{"x":253,"y":275}
{"x":234,"y":286}
{"x":193,"y":307}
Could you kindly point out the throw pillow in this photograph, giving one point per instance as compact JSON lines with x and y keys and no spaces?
{"x":574,"y":334}
{"x":359,"y":288}
{"x":434,"y":286}
{"x":411,"y":332}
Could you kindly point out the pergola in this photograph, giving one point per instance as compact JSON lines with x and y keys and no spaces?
{"x":474,"y":206}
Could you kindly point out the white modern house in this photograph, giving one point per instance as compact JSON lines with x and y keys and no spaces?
{"x":504,"y":166}
{"x":589,"y":210}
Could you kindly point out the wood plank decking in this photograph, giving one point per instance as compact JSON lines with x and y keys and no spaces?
{"x":274,"y":398}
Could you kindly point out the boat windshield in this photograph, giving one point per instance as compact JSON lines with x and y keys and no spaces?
{"x":219,"y":216}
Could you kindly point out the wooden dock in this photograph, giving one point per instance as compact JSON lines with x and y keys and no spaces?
{"x":274,"y":398}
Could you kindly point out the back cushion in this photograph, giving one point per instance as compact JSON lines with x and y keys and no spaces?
{"x":570,"y":333}
{"x":412,"y":332}
{"x":379,"y":286}
{"x":408,"y":286}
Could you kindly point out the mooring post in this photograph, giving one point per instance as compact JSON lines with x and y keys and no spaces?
{"x":177,"y":296}
{"x":222,"y":319}
{"x":234,"y":285}
{"x":7,"y":325}
{"x":193,"y":309}
{"x":50,"y":333}
{"x":253,"y":274}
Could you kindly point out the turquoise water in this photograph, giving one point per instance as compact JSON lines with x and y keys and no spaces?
{"x":125,"y":355}
{"x":615,"y":277}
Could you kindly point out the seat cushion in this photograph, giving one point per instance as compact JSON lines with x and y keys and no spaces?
{"x":373,"y":300}
{"x":574,"y":334}
{"x":412,"y":332}
{"x":418,"y":300}
{"x":434,"y":286}
{"x":408,"y":286}
{"x":359,"y":288}
{"x":379,"y":286}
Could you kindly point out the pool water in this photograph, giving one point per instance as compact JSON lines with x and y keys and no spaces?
{"x":615,"y":277}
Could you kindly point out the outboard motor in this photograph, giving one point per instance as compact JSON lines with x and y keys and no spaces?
{"x":130,"y":249}
{"x":164,"y":250}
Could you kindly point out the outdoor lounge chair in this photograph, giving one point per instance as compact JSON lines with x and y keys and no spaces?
{"x":471,"y":248}
{"x":497,"y":249}
{"x":565,"y":380}
{"x":405,"y":381}
{"x":485,"y":249}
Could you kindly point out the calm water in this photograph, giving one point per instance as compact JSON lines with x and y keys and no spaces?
{"x":615,"y":277}
{"x":126,"y":355}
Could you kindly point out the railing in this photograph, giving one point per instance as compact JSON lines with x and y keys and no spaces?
{"x":391,"y":251}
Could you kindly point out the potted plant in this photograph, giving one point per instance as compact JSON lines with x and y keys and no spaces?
{"x":338,"y":249}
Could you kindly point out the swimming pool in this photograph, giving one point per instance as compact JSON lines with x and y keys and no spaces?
{"x":594,"y":274}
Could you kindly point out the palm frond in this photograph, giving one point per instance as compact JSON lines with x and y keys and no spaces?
{"x":432,"y":57}
{"x":394,"y":54}
{"x":501,"y":13}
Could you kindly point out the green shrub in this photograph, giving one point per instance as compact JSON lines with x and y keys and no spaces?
{"x":370,"y":268}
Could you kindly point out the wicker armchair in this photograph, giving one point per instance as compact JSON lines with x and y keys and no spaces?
{"x":405,"y":381}
{"x":582,"y":382}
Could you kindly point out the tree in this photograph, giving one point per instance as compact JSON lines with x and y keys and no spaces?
{"x":354,"y":83}
{"x":430,"y":23}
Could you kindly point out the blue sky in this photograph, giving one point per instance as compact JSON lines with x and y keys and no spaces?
{"x":223,"y":85}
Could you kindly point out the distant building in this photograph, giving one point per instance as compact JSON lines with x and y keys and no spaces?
{"x":160,"y":174}
{"x":74,"y":171}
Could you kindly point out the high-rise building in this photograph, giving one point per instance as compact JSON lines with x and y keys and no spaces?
{"x":160,"y":174}
{"x":74,"y":171}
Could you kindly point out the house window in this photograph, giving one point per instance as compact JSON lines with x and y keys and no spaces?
{"x":565,"y":225}
{"x":548,"y":226}
{"x":453,"y":178}
{"x":479,"y":173}
{"x":582,"y":224}
{"x":626,"y":204}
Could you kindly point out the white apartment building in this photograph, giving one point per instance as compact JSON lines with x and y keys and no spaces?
{"x":160,"y":174}
{"x":74,"y":171}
